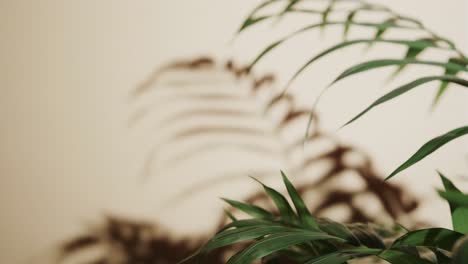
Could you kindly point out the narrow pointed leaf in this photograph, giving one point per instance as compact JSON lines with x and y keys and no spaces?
{"x":252,"y":210}
{"x":459,"y":219}
{"x":275,"y":44}
{"x":274,"y":243}
{"x":233,"y":236}
{"x":408,"y":43}
{"x":406,"y":88}
{"x":449,"y":71}
{"x":339,"y":230}
{"x":285,"y":209}
{"x":251,"y":20}
{"x":411,"y":53}
{"x":375,"y":64}
{"x":457,"y":199}
{"x":430,"y":147}
{"x":433,"y":237}
{"x":304,"y":213}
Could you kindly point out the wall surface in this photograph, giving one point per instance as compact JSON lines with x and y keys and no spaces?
{"x":67,"y":155}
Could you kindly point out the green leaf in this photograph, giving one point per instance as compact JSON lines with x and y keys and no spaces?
{"x":251,"y":20}
{"x":460,"y":252}
{"x":456,"y":198}
{"x":249,"y":222}
{"x":286,"y":211}
{"x":375,"y":64}
{"x":326,"y":13}
{"x":230,"y":215}
{"x":408,"y":43}
{"x":304,"y":213}
{"x":367,"y":236}
{"x":411,"y":53}
{"x":433,"y":237}
{"x":338,"y":229}
{"x":449,"y":71}
{"x":233,"y":236}
{"x":399,"y":257}
{"x":430,"y":147}
{"x":380,"y":31}
{"x":275,"y":44}
{"x":406,"y":88}
{"x":459,"y":219}
{"x":276,"y":242}
{"x":250,"y":209}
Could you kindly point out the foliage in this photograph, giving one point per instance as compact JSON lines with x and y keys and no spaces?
{"x":299,"y":237}
{"x":453,"y":65}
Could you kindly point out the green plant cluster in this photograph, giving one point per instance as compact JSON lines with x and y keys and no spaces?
{"x":298,"y":236}
{"x":294,"y":233}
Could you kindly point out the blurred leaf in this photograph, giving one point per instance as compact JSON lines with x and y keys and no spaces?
{"x":342,"y":256}
{"x":433,"y":237}
{"x":314,"y":26}
{"x":304,"y":213}
{"x":406,"y":88}
{"x":449,"y":71}
{"x":460,"y":252}
{"x":430,"y":147}
{"x":408,"y":43}
{"x":367,"y":236}
{"x":276,"y":242}
{"x":375,"y":64}
{"x":411,"y":53}
{"x":251,"y":20}
{"x":233,"y":236}
{"x":399,"y":257}
{"x":339,"y":230}
{"x":250,"y":209}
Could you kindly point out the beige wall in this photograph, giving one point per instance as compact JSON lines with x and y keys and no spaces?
{"x":66,"y":69}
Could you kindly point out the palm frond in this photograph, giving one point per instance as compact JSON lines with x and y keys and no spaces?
{"x":456,"y":63}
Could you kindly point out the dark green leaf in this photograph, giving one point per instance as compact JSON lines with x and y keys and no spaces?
{"x":433,"y":237}
{"x":233,"y":236}
{"x":304,"y":213}
{"x":408,"y":43}
{"x":286,"y":212}
{"x":375,"y":64}
{"x":274,"y":243}
{"x":449,"y":71}
{"x":337,"y":229}
{"x":406,"y":88}
{"x":252,"y":21}
{"x":367,"y":236}
{"x":430,"y":147}
{"x":319,"y":25}
{"x":250,"y":209}
{"x":455,"y":198}
{"x":411,"y":53}
{"x":460,"y":252}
